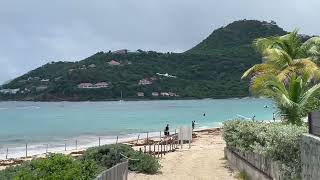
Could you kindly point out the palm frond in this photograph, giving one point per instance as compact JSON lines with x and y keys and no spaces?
{"x":306,"y":96}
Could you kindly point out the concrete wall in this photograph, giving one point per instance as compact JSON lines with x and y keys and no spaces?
{"x":310,"y":157}
{"x":256,"y":166}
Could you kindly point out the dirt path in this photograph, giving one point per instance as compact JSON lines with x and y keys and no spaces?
{"x":204,"y":161}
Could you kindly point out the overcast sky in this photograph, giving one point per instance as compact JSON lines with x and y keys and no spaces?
{"x":34,"y":32}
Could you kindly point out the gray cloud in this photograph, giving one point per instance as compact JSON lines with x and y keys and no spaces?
{"x":35,"y":32}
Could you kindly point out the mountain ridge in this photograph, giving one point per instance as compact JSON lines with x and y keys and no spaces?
{"x":211,"y":69}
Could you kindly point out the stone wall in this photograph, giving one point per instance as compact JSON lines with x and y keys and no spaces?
{"x":255,"y":165}
{"x":310,"y":157}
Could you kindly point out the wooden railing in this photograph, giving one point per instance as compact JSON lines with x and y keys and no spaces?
{"x":314,"y":123}
{"x":117,"y":172}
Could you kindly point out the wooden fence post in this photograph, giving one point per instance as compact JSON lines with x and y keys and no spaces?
{"x":175,"y":138}
{"x":144,"y":148}
{"x":117,"y":140}
{"x":161,"y":149}
{"x":154,"y":150}
{"x":7,"y":153}
{"x":158,"y":150}
{"x":148,"y":138}
{"x":47,"y":146}
{"x":138,"y":139}
{"x":65,"y":145}
{"x":26,"y":149}
{"x":99,"y":141}
{"x":76,"y":144}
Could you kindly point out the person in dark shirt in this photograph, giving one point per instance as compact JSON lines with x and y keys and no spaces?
{"x":166,"y":130}
{"x":273,"y":117}
{"x":193,"y":122}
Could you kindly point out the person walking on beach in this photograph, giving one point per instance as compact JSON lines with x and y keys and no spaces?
{"x":166,"y":130}
{"x":193,"y":122}
{"x":254,"y":116}
{"x":273,"y":117}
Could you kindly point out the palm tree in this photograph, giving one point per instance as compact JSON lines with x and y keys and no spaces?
{"x":288,"y":73}
{"x":291,"y":97}
{"x":285,"y":55}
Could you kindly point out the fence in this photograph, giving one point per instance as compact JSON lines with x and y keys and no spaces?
{"x":156,"y":148}
{"x":314,"y":123}
{"x":160,"y":148}
{"x":117,"y":172}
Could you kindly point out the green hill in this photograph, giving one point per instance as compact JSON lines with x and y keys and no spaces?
{"x":212,"y":69}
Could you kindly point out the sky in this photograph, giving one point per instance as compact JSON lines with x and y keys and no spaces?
{"x":35,"y":32}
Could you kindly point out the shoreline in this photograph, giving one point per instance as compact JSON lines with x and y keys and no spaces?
{"x":4,"y":163}
{"x":133,"y":99}
{"x":84,"y":141}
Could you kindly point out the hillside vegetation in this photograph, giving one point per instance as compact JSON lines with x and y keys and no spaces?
{"x":211,"y":69}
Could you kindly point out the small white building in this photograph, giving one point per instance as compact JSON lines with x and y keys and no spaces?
{"x":92,"y":66}
{"x":172,"y":94}
{"x":102,"y":85}
{"x":145,"y":82}
{"x":9,"y":91}
{"x":140,"y":94}
{"x":85,"y":85}
{"x":41,"y":88}
{"x":45,"y":80}
{"x":165,"y":94}
{"x":93,"y":86}
{"x":156,"y":94}
{"x":121,"y":51}
{"x":114,"y":63}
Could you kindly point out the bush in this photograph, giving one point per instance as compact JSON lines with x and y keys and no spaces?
{"x":146,"y":164}
{"x":109,"y":155}
{"x":281,"y":142}
{"x":55,"y":166}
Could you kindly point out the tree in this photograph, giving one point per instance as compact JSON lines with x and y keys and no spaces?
{"x":291,"y":97}
{"x":284,"y":55}
{"x":288,"y":74}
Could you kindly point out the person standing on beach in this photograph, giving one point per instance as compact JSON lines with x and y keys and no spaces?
{"x":166,"y":130}
{"x":273,"y":117}
{"x":193,"y":122}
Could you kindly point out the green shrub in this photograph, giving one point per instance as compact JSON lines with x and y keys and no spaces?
{"x":242,"y":175}
{"x":109,"y":155}
{"x":146,"y":164}
{"x":281,"y":142}
{"x":55,"y":166}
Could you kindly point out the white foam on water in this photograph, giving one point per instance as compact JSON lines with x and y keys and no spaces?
{"x":83,"y":142}
{"x":28,"y":107}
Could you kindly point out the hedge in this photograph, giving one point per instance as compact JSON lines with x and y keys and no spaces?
{"x":88,"y":166}
{"x":109,"y":155}
{"x":279,"y":141}
{"x":55,"y":166}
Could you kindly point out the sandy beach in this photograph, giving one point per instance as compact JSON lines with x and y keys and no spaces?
{"x":203,"y":161}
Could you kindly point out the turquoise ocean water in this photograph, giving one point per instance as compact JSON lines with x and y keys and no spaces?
{"x":57,"y":123}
